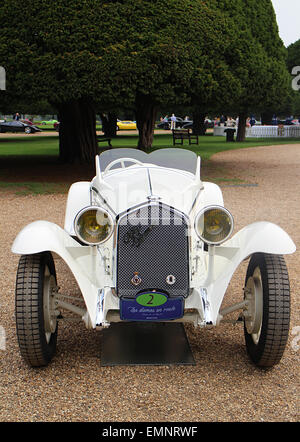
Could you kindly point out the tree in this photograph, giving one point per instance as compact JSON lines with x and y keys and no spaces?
{"x":258,"y":58}
{"x":90,"y":56}
{"x":179,"y":59}
{"x":66,"y":53}
{"x":167,"y":42}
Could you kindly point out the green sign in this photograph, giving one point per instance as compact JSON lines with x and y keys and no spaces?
{"x":151,"y":299}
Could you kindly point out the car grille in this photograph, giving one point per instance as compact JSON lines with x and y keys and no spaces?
{"x":152,"y":251}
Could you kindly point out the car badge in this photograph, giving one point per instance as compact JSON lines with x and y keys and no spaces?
{"x":170,"y":279}
{"x":136,"y":280}
{"x":136,"y":236}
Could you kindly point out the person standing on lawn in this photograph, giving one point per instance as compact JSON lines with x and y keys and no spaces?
{"x":173,"y":122}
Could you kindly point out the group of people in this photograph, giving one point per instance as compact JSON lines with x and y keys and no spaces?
{"x":230,"y":122}
{"x":226,"y":121}
{"x":173,"y":120}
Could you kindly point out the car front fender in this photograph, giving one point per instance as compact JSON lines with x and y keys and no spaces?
{"x":263,"y":237}
{"x":41,"y":236}
{"x":259,"y":237}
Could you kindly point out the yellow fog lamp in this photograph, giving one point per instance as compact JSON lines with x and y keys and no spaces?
{"x":214,"y":224}
{"x":93,"y":225}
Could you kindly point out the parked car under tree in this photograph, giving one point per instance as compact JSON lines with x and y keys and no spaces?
{"x":18,"y":126}
{"x":126,"y":125}
{"x":148,"y":240}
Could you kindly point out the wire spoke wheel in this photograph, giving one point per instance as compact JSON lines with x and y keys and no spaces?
{"x":267,"y":316}
{"x":254,"y":295}
{"x":50,"y":318}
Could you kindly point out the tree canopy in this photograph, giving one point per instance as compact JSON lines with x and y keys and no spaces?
{"x":293,"y":58}
{"x":213,"y":55}
{"x":258,"y":58}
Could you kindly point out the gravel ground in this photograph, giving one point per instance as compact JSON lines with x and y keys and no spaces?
{"x":264,"y":184}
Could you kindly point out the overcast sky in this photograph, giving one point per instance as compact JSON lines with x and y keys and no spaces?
{"x":288,"y":19}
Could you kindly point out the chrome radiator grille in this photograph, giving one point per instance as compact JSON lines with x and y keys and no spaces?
{"x":152,"y":251}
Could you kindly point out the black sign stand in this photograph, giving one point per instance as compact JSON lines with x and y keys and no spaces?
{"x":145,"y":343}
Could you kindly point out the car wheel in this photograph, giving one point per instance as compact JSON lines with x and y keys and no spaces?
{"x":267,"y":317}
{"x":36,"y":317}
{"x":28,"y":130}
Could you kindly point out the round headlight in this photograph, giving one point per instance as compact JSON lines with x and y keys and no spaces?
{"x":214,"y":224}
{"x":93,"y":225}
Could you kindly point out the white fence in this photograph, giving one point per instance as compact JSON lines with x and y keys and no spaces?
{"x":266,"y":131}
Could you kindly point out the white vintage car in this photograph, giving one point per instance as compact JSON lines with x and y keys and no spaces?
{"x":148,"y":240}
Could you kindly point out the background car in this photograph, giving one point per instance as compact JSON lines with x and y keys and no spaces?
{"x":167,"y":124}
{"x":26,"y":121}
{"x":208,"y":123}
{"x":48,"y":121}
{"x":187,"y":125}
{"x":18,"y":126}
{"x":126,"y":125}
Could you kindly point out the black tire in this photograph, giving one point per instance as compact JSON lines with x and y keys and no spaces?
{"x":265,"y":348}
{"x":35,"y":272}
{"x":28,"y":130}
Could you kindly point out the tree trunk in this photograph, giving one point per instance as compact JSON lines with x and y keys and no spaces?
{"x":109,"y":124}
{"x":241,"y":133}
{"x":77,"y":132}
{"x":146,"y":112}
{"x":266,"y":118}
{"x":199,"y":127}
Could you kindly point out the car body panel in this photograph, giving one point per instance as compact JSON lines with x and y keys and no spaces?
{"x":262,"y":237}
{"x":126,"y":125}
{"x":41,"y":236}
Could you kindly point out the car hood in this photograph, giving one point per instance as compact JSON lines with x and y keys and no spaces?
{"x":126,"y":188}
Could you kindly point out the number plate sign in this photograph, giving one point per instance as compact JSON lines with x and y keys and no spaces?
{"x":151,"y":306}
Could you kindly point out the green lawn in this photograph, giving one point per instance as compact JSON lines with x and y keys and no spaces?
{"x":50,"y":126}
{"x":29,"y":146}
{"x":208,"y":145}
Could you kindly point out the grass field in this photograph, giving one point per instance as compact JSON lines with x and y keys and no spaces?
{"x":208,"y":145}
{"x":50,"y":126}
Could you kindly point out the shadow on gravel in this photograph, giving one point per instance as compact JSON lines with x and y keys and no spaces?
{"x":43,"y":169}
